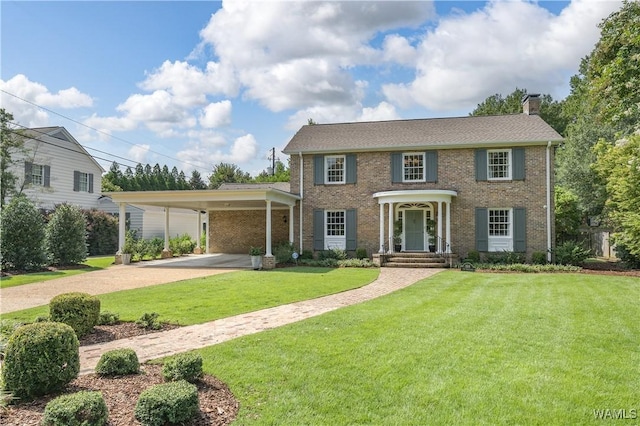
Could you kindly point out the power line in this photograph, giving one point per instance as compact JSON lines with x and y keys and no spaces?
{"x":97,"y":130}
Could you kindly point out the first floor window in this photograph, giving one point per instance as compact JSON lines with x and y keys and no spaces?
{"x":499,"y":164}
{"x":499,"y":222}
{"x":413,"y":167}
{"x":335,"y":223}
{"x":334,"y":166}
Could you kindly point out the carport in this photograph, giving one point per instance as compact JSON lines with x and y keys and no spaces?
{"x":237,"y":198}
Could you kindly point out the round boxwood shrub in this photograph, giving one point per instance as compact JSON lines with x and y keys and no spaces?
{"x":172,"y":403}
{"x":187,"y":366}
{"x":40,"y":358}
{"x":79,"y":310}
{"x":76,"y":409}
{"x":118,"y":362}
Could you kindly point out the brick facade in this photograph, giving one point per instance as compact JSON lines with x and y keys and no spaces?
{"x":456,"y":171}
{"x":236,"y":231}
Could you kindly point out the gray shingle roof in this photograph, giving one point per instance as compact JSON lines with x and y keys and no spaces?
{"x":457,"y":132}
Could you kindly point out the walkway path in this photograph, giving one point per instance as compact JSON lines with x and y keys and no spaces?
{"x":157,"y":345}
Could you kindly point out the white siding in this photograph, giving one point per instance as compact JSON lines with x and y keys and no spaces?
{"x":180,"y":222}
{"x":62,"y":153}
{"x":135,"y":213}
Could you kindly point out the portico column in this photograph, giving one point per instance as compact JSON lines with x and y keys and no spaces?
{"x":439,"y":242}
{"x":268,"y":241}
{"x":390,"y":227}
{"x":122,"y":226}
{"x":448,"y":222}
{"x":291,"y":224}
{"x":166,"y":252}
{"x":198,"y":249}
{"x":381,"y":228}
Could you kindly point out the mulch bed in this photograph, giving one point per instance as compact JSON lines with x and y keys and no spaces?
{"x":218,"y":406}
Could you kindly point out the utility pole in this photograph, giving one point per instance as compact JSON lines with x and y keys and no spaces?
{"x":272,"y":157}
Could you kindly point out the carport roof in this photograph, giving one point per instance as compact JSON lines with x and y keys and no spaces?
{"x":245,"y":197}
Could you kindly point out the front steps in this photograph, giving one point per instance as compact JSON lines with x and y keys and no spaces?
{"x":416,"y":260}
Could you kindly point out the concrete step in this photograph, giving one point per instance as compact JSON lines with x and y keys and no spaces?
{"x":394,"y":264}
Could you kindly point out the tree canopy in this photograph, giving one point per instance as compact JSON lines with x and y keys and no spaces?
{"x":227,"y":173}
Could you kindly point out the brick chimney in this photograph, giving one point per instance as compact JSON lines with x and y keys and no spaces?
{"x":531,"y":104}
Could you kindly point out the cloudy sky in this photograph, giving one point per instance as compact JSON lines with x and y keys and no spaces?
{"x":191,"y":84}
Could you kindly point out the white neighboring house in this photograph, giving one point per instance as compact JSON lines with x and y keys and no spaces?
{"x":54,"y":169}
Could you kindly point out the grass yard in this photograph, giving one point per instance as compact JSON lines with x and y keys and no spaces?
{"x":458,"y":348}
{"x":206,"y":299}
{"x":94,"y":263}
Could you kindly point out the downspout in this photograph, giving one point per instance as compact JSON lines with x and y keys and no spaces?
{"x":549,"y":202}
{"x":301,"y":196}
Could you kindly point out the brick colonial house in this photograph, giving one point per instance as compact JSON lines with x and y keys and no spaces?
{"x":445,"y":186}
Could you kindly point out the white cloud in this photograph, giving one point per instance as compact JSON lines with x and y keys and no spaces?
{"x":216,"y":114}
{"x":493,"y":50}
{"x":138,"y":153}
{"x":384,"y":111}
{"x":29,"y":115}
{"x":206,"y":153}
{"x":398,"y":49}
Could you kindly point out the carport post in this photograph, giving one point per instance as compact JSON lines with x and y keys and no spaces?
{"x":268,"y":242}
{"x":166,"y":252}
{"x":122,"y":226}
{"x":198,"y":249}
{"x":291,"y":224}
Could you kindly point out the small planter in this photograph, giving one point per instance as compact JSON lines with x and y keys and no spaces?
{"x":126,"y":258}
{"x":256,"y":261}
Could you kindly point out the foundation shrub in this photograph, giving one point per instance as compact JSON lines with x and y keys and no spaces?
{"x":283,"y":252}
{"x":102,"y":232}
{"x":40,"y":358}
{"x":118,"y":362}
{"x":187,"y":366}
{"x":539,"y":258}
{"x":181,"y":244}
{"x":571,"y":253}
{"x":22,"y":232}
{"x":361,"y":253}
{"x":66,"y":236}
{"x":78,"y":409}
{"x":473,"y":256}
{"x":167,"y":403}
{"x":79,"y":310}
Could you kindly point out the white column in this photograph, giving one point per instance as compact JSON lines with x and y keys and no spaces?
{"x":381,"y":228}
{"x":206,"y":239}
{"x":268,"y":237}
{"x":448,"y":224}
{"x":199,"y":230}
{"x":291,"y":224}
{"x":122,"y":226}
{"x":439,"y":239}
{"x":390,"y":227}
{"x":166,"y":228}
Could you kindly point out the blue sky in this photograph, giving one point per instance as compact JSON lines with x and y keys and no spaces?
{"x":191,"y":84}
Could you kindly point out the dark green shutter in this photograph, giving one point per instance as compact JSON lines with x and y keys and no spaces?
{"x":518,"y":163}
{"x":396,"y":167}
{"x":519,"y":230}
{"x":351,"y":172}
{"x":47,"y":176}
{"x":352,"y":229}
{"x":431,"y":164}
{"x":482,"y":229}
{"x":76,"y":181}
{"x":318,"y":169}
{"x":28,"y":172}
{"x":90,"y":182}
{"x":318,"y":229}
{"x":481,"y":164}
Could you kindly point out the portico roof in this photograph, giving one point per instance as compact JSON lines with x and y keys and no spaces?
{"x":412,"y":196}
{"x":244,"y":198}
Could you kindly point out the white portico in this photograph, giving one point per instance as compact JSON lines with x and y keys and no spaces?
{"x":422,"y":220}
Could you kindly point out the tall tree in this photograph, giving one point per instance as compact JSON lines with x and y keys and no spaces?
{"x":227,"y":173}
{"x":11,"y":142}
{"x":196,"y":182}
{"x":280,"y":174}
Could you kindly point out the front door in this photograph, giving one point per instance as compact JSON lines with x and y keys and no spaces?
{"x":414,"y":230}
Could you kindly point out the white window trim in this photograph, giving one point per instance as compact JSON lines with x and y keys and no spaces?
{"x":499,"y":243}
{"x":326,"y":169}
{"x":424,"y":167}
{"x":335,"y":241}
{"x":86,"y":176}
{"x":510,"y":168}
{"x":40,"y":176}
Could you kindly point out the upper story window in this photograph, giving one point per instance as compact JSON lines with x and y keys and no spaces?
{"x":334,"y":168}
{"x":37,"y":174}
{"x":82,"y":182}
{"x":499,"y":164}
{"x":413,"y":167}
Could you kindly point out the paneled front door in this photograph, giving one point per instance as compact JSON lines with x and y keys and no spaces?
{"x":414,"y":230}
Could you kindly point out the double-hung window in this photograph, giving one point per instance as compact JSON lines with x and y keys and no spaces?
{"x":83,"y":182}
{"x":413,"y":167}
{"x":37,"y":174}
{"x":499,"y":164}
{"x":500,"y":230}
{"x":334,"y":169}
{"x":335,"y":223}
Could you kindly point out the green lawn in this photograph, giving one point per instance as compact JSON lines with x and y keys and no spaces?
{"x":94,"y":263}
{"x":206,"y":299}
{"x":458,"y":348}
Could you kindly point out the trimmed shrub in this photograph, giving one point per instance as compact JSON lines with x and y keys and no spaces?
{"x":473,"y":256}
{"x":187,"y":366}
{"x":79,"y":310}
{"x":506,"y":258}
{"x":336,"y":254}
{"x":571,"y":253}
{"x":355,"y":263}
{"x":108,"y":318}
{"x":306,"y":255}
{"x":102,"y":232}
{"x":283,"y":252}
{"x":361,"y":253}
{"x":118,"y":362}
{"x":40,"y":358}
{"x":82,"y":408}
{"x":171,"y":403}
{"x":149,"y":321}
{"x":22,"y":232}
{"x":66,"y":236}
{"x":539,"y":258}
{"x":181,"y":244}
